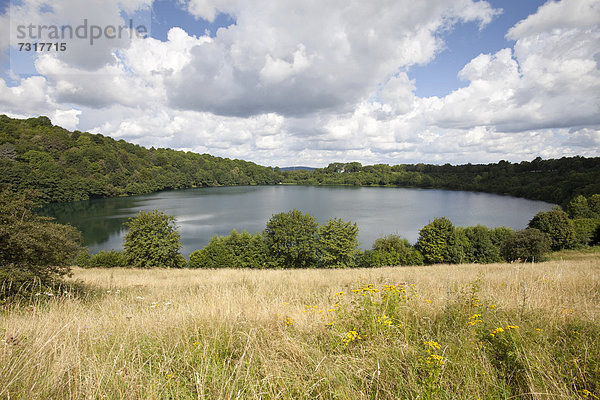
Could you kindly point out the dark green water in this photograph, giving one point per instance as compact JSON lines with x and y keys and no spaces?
{"x":202,"y":213}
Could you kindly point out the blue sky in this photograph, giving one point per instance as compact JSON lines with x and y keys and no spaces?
{"x":167,"y":14}
{"x":464,"y":42}
{"x":309,"y":83}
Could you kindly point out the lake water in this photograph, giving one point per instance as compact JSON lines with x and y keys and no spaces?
{"x":204,"y":212}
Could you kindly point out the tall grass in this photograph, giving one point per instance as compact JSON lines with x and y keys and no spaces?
{"x":423,"y":332}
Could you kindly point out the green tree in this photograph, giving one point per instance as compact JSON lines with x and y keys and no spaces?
{"x":238,"y":250}
{"x":585,"y":230}
{"x":480,"y":247}
{"x":394,"y":250}
{"x":292,"y":239}
{"x":153,"y":241}
{"x":214,"y":255}
{"x":33,"y":249}
{"x":594,"y":205}
{"x":338,"y":243}
{"x":439,"y":243}
{"x":557,"y":225}
{"x":578,"y":208}
{"x":526,"y":245}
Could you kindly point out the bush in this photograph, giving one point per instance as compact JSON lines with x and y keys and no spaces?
{"x":153,"y":241}
{"x":392,"y":250}
{"x":439,"y":242}
{"x":108,"y":259}
{"x":585,"y":230}
{"x":479,"y":247}
{"x":234,"y":251}
{"x":213,"y":255}
{"x":578,"y":208}
{"x":33,"y":249}
{"x":594,"y":205}
{"x":338,"y":244}
{"x":292,"y":239}
{"x":526,"y":245}
{"x":557,"y":225}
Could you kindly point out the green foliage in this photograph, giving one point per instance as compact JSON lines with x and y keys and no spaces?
{"x":214,"y":255}
{"x":234,"y":251}
{"x":585,"y":230}
{"x":526,"y":245}
{"x":481,"y":245}
{"x":107,"y":259}
{"x":594,"y":205}
{"x":69,"y":166}
{"x":391,"y":250}
{"x":557,"y":225}
{"x":439,"y":242}
{"x":292,"y":239}
{"x":153,"y":241}
{"x":578,"y":208}
{"x":555,"y":181}
{"x":32,"y":248}
{"x":338,"y":244}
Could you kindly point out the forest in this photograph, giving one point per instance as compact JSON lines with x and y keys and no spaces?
{"x":69,"y":166}
{"x":555,"y":180}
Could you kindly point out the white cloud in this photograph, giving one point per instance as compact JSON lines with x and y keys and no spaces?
{"x":310,"y":83}
{"x":299,"y":57}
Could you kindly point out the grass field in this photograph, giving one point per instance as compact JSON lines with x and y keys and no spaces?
{"x":510,"y":331}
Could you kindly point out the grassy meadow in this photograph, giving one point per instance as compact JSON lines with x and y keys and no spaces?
{"x":509,"y":331}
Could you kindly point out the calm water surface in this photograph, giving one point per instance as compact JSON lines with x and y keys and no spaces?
{"x":204,"y":212}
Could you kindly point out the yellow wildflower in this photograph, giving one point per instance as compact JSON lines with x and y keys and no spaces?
{"x":351,"y":336}
{"x":432,"y":344}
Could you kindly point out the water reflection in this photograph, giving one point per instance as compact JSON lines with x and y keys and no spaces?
{"x":202,"y":213}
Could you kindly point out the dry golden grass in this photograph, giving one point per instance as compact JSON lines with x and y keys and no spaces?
{"x":223,"y":333}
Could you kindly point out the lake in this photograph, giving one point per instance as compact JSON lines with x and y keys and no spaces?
{"x":204,"y":212}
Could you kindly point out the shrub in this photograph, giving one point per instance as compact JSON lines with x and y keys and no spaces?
{"x":292,"y":239}
{"x":153,"y":241}
{"x":393,"y":250}
{"x":578,"y":208}
{"x":249,"y":250}
{"x":439,"y":243}
{"x":480,"y":247}
{"x":500,"y":234}
{"x":557,"y":225}
{"x":594,"y":205}
{"x":107,"y":259}
{"x":213,"y":255}
{"x":33,"y":249}
{"x":234,"y":251}
{"x":338,"y":244}
{"x":585,"y":230}
{"x":526,"y":245}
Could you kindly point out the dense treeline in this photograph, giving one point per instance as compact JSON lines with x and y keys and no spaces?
{"x":69,"y":166}
{"x":555,"y":181}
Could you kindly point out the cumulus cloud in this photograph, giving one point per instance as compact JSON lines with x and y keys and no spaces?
{"x":297,"y":58}
{"x":310,"y":83}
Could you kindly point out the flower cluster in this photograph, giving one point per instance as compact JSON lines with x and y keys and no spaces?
{"x":385,"y":320}
{"x":474,"y":319}
{"x":500,"y":330}
{"x":370,"y":288}
{"x":351,"y":336}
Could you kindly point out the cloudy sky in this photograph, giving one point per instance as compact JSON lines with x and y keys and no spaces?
{"x":305,"y":82}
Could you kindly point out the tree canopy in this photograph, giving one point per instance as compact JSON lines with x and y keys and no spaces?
{"x":33,"y":249}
